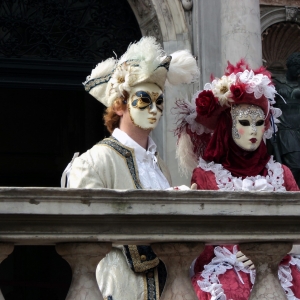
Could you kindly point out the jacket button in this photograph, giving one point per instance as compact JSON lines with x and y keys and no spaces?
{"x":127,"y":154}
{"x":143,"y":257}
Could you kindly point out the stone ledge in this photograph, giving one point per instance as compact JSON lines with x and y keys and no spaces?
{"x":52,"y":215}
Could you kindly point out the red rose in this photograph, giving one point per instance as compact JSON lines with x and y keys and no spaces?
{"x":206,"y":103}
{"x":237,"y":91}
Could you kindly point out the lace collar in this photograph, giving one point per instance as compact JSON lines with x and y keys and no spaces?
{"x":227,"y":182}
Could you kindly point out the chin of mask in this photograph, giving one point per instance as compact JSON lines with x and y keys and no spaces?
{"x":248,"y":126}
{"x":145,"y":105}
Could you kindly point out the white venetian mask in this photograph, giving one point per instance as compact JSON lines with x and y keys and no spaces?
{"x":145,"y":105}
{"x":248,"y":126}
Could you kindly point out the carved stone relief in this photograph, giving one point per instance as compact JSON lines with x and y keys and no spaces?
{"x":154,"y":30}
{"x":143,"y":7}
{"x":292,"y":14}
{"x":146,"y":17}
{"x":270,"y":15}
{"x":280,"y":2}
{"x":187,"y":4}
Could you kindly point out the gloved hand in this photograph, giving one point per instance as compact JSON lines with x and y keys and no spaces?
{"x":245,"y":260}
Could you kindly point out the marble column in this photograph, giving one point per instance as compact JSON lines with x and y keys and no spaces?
{"x":83,"y":259}
{"x":266,"y":258}
{"x":177,"y":258}
{"x":241,"y":32}
{"x":5,"y":250}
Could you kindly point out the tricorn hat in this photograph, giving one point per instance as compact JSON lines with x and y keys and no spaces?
{"x":143,"y":62}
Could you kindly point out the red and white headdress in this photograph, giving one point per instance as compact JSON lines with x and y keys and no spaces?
{"x":197,"y":120}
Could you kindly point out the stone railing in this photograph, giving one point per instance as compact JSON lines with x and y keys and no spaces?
{"x":84,"y":223}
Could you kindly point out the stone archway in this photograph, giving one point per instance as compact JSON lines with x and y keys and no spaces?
{"x":280,"y":32}
{"x":270,"y":16}
{"x":164,"y":19}
{"x":278,"y":42}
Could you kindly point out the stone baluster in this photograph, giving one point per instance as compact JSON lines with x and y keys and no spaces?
{"x":177,"y":258}
{"x":266,"y":258}
{"x":5,"y":250}
{"x":83,"y":259}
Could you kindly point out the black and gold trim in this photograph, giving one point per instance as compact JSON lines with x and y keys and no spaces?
{"x":127,"y":154}
{"x":88,"y":85}
{"x":151,"y":285}
{"x":140,"y":258}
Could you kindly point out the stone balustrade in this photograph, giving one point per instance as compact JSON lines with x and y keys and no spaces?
{"x":84,"y":223}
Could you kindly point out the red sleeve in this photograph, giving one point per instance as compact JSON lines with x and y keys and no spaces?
{"x":289,"y":180}
{"x":206,"y":180}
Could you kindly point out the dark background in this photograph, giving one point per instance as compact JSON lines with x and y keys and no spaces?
{"x":47,"y":48}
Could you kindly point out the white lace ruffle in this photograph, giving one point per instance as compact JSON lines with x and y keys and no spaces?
{"x":226,"y":260}
{"x":223,"y":261}
{"x":150,"y":175}
{"x":285,"y":276}
{"x":227,"y":182}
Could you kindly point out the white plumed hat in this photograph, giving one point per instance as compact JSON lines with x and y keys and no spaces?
{"x":144,"y":61}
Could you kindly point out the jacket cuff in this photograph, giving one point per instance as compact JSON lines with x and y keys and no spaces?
{"x":140,"y":258}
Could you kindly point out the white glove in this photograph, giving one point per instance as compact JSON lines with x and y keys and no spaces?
{"x":183,"y":188}
{"x":245,"y":260}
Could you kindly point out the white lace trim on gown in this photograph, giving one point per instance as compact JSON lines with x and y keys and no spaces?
{"x":226,"y":260}
{"x":285,"y":276}
{"x":223,"y":261}
{"x":227,"y":182}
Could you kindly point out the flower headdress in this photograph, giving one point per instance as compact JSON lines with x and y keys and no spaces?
{"x":198,"y":119}
{"x":144,"y":61}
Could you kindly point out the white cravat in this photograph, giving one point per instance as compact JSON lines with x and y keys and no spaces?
{"x":150,"y":174}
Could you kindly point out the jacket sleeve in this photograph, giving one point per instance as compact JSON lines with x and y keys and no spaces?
{"x":164,"y":169}
{"x":84,"y":175}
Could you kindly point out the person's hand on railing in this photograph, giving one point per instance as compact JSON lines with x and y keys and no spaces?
{"x":183,"y":187}
{"x":245,"y":260}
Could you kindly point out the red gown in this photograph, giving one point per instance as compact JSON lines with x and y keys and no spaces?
{"x":230,"y":280}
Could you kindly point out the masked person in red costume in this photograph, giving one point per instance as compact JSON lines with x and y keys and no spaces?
{"x":221,"y":141}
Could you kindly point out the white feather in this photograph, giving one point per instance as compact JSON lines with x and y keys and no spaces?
{"x":147,"y":51}
{"x":187,"y":159}
{"x":183,"y":68}
{"x":104,"y":68}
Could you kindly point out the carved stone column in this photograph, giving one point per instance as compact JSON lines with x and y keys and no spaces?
{"x":241,"y":33}
{"x":83,"y":259}
{"x":266,"y":258}
{"x":178,"y":258}
{"x":5,"y":250}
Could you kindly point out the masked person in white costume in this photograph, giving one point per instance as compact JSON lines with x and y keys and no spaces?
{"x":132,"y":89}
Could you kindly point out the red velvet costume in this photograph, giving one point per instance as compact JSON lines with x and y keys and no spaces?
{"x":232,"y":285}
{"x":223,"y":165}
{"x":222,"y":150}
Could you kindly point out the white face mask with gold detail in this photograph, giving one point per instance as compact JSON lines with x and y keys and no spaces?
{"x":145,"y":105}
{"x":248,"y":126}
